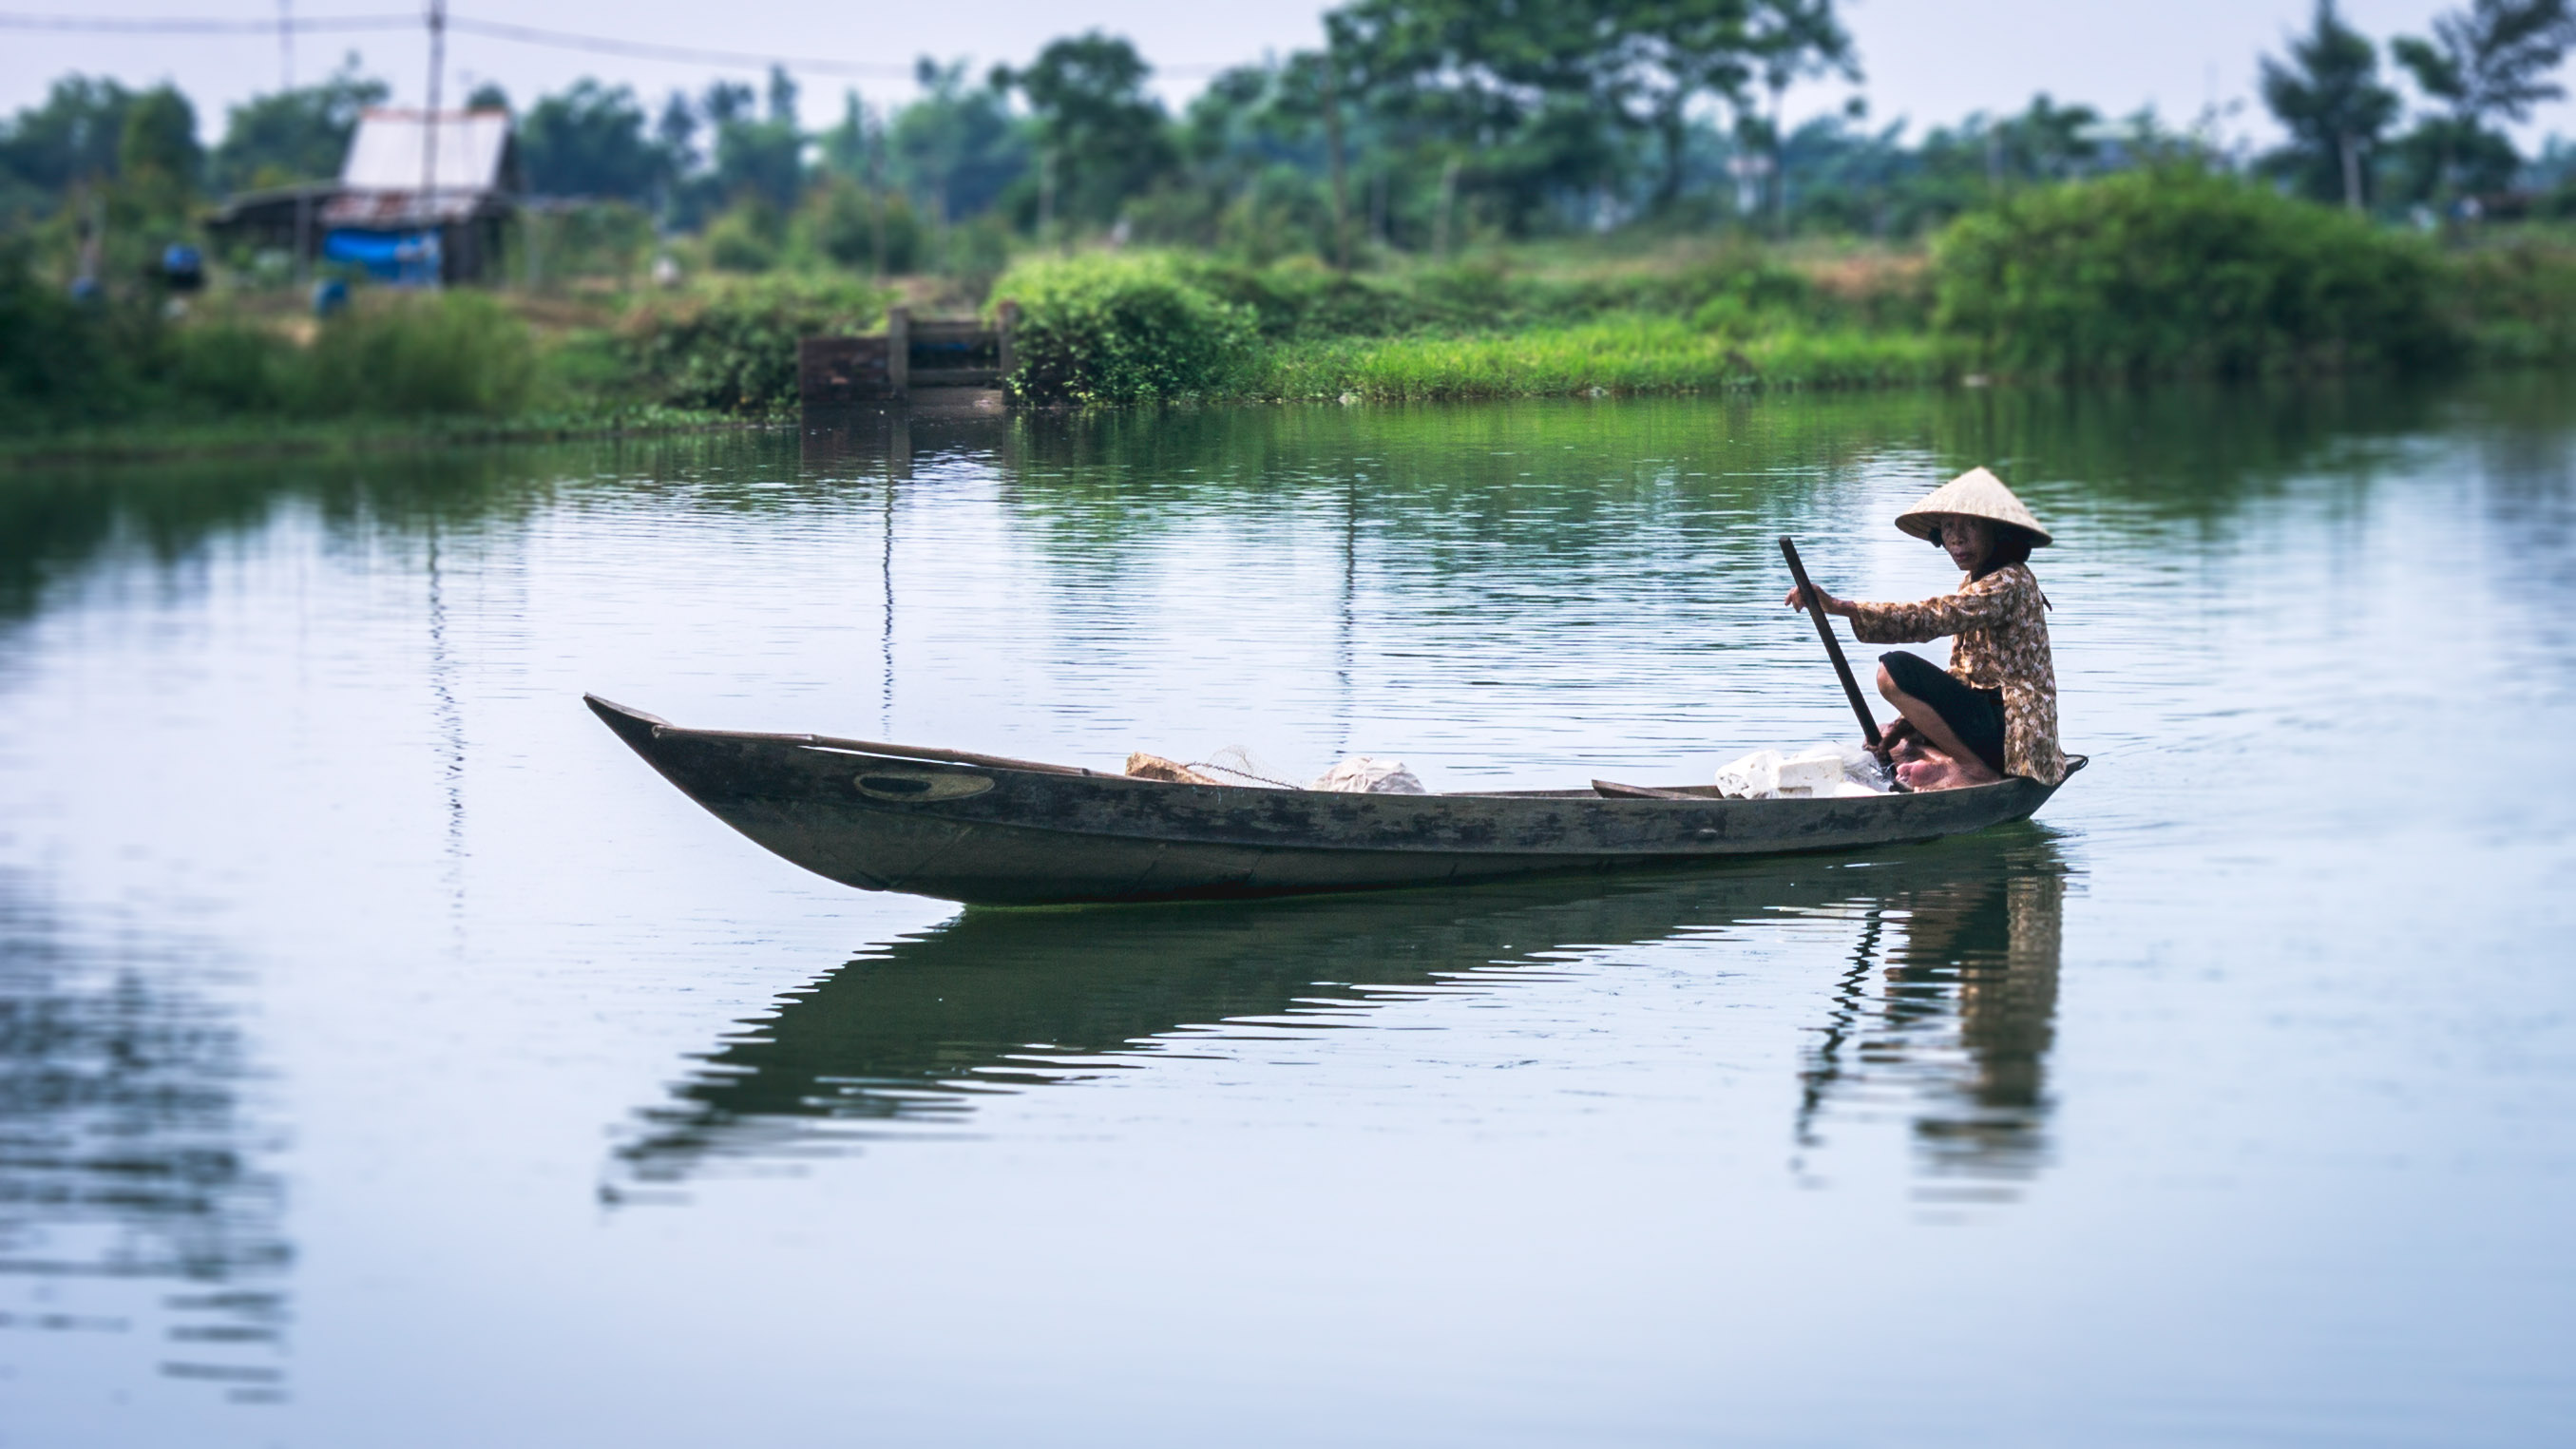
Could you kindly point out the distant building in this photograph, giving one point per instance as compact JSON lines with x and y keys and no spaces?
{"x":419,"y":198}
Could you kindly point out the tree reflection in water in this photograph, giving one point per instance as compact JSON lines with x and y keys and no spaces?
{"x":914,"y":1034}
{"x":137,"y":1200}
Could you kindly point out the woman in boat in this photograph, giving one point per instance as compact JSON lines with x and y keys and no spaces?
{"x":1994,"y":713}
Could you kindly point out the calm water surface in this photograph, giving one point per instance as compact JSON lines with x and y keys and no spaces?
{"x":388,"y":1058}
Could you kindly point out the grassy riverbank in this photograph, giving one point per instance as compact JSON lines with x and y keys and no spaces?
{"x":1627,"y":355}
{"x":2135,"y":277}
{"x":235,"y":372}
{"x":2143,"y":275}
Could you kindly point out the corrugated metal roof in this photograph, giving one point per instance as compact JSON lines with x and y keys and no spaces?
{"x":387,"y":151}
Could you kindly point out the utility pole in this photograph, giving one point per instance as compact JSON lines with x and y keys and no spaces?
{"x":286,"y":45}
{"x":429,"y":136}
{"x":874,"y":136}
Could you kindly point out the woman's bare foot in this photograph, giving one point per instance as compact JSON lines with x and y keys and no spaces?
{"x":1937,"y":771}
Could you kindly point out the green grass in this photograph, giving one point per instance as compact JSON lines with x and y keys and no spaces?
{"x":1625,"y":355}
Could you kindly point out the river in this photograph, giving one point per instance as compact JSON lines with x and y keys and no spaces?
{"x":388,"y":1057}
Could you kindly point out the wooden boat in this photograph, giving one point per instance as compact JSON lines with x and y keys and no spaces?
{"x":993,"y":831}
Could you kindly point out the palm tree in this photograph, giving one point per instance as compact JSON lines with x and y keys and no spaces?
{"x":2328,"y":96}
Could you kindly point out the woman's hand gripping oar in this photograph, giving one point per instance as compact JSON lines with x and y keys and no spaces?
{"x":1814,"y":599}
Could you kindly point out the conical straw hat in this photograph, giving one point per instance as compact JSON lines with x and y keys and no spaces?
{"x":1975,"y":493}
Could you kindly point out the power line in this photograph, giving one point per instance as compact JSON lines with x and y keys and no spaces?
{"x":185,"y":25}
{"x":647,"y":50}
{"x":490,"y":29}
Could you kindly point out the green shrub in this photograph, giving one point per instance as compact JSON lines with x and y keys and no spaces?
{"x":744,"y":239}
{"x":844,"y":223}
{"x":2517,"y":300}
{"x":224,"y":367}
{"x":1121,"y":327}
{"x":2175,"y":272}
{"x":448,"y":354}
{"x":1301,"y":297}
{"x":58,"y":360}
{"x":1746,"y":296}
{"x":731,"y":345}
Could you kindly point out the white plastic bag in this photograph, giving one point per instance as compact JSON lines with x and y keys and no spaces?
{"x":1824,"y":771}
{"x":1860,"y":767}
{"x":1754,"y":777}
{"x":1360,"y":775}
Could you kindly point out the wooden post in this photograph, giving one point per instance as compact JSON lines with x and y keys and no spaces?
{"x":899,"y":351}
{"x":1007,"y":319}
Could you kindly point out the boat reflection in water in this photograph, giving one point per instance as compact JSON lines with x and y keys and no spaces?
{"x":1947,"y":1000}
{"x":141,"y":1214}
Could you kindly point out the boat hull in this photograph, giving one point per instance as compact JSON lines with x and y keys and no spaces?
{"x":994,"y":832}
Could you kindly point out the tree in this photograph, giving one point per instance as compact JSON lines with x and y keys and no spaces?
{"x":1523,"y":101}
{"x":2488,"y":63}
{"x":157,"y":149}
{"x":1102,"y":136}
{"x":72,"y":137}
{"x":1792,"y":38}
{"x":1547,"y":96}
{"x":294,"y":135}
{"x":2046,"y":142}
{"x":955,"y":148}
{"x":766,"y":157}
{"x":676,"y":131}
{"x":1666,"y":55}
{"x":591,"y":140}
{"x":2328,"y":96}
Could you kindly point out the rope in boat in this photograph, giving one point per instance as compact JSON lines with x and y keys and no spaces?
{"x":1240,"y":774}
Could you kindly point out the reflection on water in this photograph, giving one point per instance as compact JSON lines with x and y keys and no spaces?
{"x":331,"y":706}
{"x":1966,"y":933}
{"x":1956,"y":1035}
{"x":137,"y":1198}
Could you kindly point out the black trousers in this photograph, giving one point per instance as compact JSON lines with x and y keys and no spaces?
{"x":1975,"y":715}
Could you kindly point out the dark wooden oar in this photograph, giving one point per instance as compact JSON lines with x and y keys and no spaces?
{"x":1833,"y":646}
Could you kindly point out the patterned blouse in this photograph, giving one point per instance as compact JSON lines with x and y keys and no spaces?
{"x":2002,"y":644}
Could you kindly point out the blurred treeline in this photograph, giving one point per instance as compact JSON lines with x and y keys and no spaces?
{"x":1417,"y":127}
{"x":1433,"y":171}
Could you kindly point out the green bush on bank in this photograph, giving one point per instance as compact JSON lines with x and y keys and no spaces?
{"x":2516,"y":301}
{"x":1111,"y":327}
{"x":2176,"y":272}
{"x":1302,"y":299}
{"x":729,"y":345}
{"x":64,"y":364}
{"x":452,"y":354}
{"x":56,"y":364}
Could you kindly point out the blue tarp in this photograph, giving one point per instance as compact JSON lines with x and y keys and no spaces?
{"x":405,"y":257}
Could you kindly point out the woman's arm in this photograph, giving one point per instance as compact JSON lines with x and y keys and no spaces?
{"x":1985,"y":601}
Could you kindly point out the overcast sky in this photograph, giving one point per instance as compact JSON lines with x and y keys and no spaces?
{"x":1926,"y":60}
